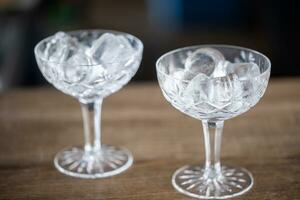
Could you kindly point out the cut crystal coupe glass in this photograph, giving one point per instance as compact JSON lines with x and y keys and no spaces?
{"x":90,"y":65}
{"x":213,"y":83}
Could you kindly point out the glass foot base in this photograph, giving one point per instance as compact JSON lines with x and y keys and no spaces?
{"x":192,"y":181}
{"x":74,"y":161}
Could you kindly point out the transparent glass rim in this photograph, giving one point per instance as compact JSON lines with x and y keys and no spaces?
{"x":38,"y":54}
{"x":211,"y":45}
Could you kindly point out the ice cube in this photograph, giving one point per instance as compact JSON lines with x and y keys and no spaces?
{"x":196,"y":90}
{"x":221,"y":91}
{"x":77,"y":67}
{"x":175,"y":83}
{"x":183,"y":75}
{"x":246,"y":73}
{"x":178,"y":74}
{"x":244,"y":70}
{"x":188,"y":75}
{"x":236,"y":102}
{"x":114,"y":51}
{"x":203,"y":61}
{"x":98,"y":75}
{"x":221,"y":69}
{"x":61,"y":47}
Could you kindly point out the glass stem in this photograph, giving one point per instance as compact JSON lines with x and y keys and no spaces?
{"x":91,"y":113}
{"x":212,"y":141}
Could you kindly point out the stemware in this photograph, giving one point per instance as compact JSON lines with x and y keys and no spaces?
{"x":212,"y":99}
{"x":90,"y":81}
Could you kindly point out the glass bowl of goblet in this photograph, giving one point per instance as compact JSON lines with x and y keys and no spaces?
{"x":89,"y":65}
{"x":213,"y":83}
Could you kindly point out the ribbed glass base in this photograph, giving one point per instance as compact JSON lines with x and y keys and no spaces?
{"x":109,"y":161}
{"x":195,"y":181}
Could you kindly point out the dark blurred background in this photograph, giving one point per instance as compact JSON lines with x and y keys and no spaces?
{"x":162,"y":25}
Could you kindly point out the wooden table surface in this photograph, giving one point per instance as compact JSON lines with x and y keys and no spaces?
{"x":37,"y":123}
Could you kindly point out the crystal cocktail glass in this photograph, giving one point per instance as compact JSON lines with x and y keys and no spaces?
{"x":90,"y":82}
{"x":212,"y":100}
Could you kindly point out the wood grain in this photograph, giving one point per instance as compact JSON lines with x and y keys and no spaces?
{"x":37,"y":123}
